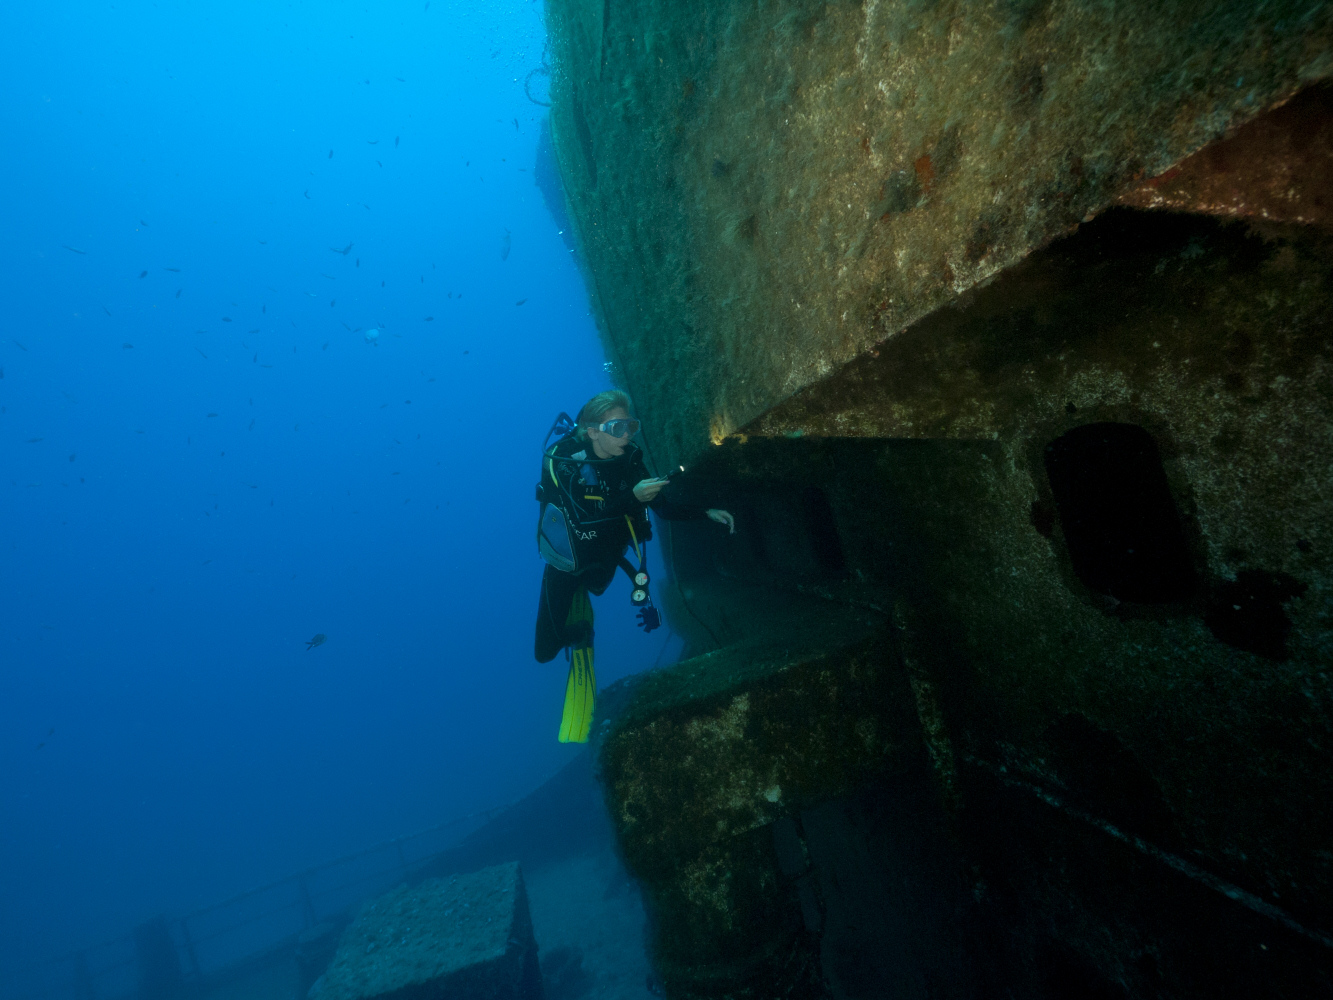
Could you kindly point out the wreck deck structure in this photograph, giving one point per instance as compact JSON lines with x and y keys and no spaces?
{"x":1004,"y":328}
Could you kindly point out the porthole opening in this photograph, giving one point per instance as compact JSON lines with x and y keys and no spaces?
{"x":1117,"y":514}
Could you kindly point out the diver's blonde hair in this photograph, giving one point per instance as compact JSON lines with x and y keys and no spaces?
{"x":595,"y":410}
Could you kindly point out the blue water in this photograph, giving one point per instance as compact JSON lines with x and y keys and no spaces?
{"x":186,"y":500}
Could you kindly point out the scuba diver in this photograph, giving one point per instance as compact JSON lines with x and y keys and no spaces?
{"x":594,"y":494}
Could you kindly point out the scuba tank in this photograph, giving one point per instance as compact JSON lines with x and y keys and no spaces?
{"x":555,"y":535}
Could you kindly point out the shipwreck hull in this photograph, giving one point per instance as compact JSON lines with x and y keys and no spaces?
{"x":1005,"y":331}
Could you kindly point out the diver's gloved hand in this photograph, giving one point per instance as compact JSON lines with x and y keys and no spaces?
{"x":723,"y":517}
{"x":649,"y":618}
{"x":646,"y":490}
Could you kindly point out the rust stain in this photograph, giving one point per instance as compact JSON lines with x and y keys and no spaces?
{"x":1164,"y":177}
{"x":1278,"y":166}
{"x":925,"y":172}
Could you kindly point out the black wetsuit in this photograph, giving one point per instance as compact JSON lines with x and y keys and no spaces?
{"x":597,"y":513}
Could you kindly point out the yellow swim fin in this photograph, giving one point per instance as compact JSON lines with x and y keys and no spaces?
{"x":581,"y":688}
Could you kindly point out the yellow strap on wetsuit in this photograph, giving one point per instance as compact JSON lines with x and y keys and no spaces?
{"x":550,"y":466}
{"x":638,"y":552}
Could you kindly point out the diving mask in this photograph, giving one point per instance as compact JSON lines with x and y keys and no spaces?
{"x":619,"y":428}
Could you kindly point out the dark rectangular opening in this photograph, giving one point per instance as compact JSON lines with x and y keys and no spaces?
{"x":1119,"y":520}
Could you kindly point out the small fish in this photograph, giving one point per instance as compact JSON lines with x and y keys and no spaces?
{"x":520,"y":302}
{"x":395,"y":146}
{"x":35,"y":440}
{"x":516,"y":125}
{"x":264,"y":309}
{"x":202,"y":354}
{"x":143,"y":274}
{"x":174,"y":270}
{"x":77,"y":250}
{"x":326,"y":346}
{"x":346,"y":327}
{"x":372,"y":142}
{"x":127,"y":346}
{"x":226,"y":319}
{"x":429,"y":319}
{"x":311,"y":294}
{"x":367,"y":207}
{"x":344,"y":250}
{"x":380,"y":165}
{"x":256,"y":329}
{"x":330,"y":154}
{"x":306,"y":192}
{"x":142,"y":223}
{"x":212,"y":414}
{"x":400,"y":79}
{"x":332,"y":303}
{"x":106,"y":310}
{"x":329,"y":276}
{"x":263,"y":243}
{"x":255,"y":361}
{"x":358,"y":262}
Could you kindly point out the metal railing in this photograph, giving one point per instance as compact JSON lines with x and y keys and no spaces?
{"x":211,"y":940}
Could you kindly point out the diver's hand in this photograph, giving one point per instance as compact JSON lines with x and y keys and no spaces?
{"x":648,"y":489}
{"x":723,"y":517}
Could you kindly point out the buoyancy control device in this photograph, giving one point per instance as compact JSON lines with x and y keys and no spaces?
{"x":556,"y":541}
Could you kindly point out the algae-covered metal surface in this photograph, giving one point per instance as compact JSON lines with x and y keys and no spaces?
{"x":1010,"y":320}
{"x":765,"y":190}
{"x":1093,"y":740}
{"x":712,"y":751}
{"x":465,"y":935}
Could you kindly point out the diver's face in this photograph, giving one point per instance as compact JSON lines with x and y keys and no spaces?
{"x":605,"y":445}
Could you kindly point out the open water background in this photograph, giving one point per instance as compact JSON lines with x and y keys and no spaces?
{"x":204,"y":466}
